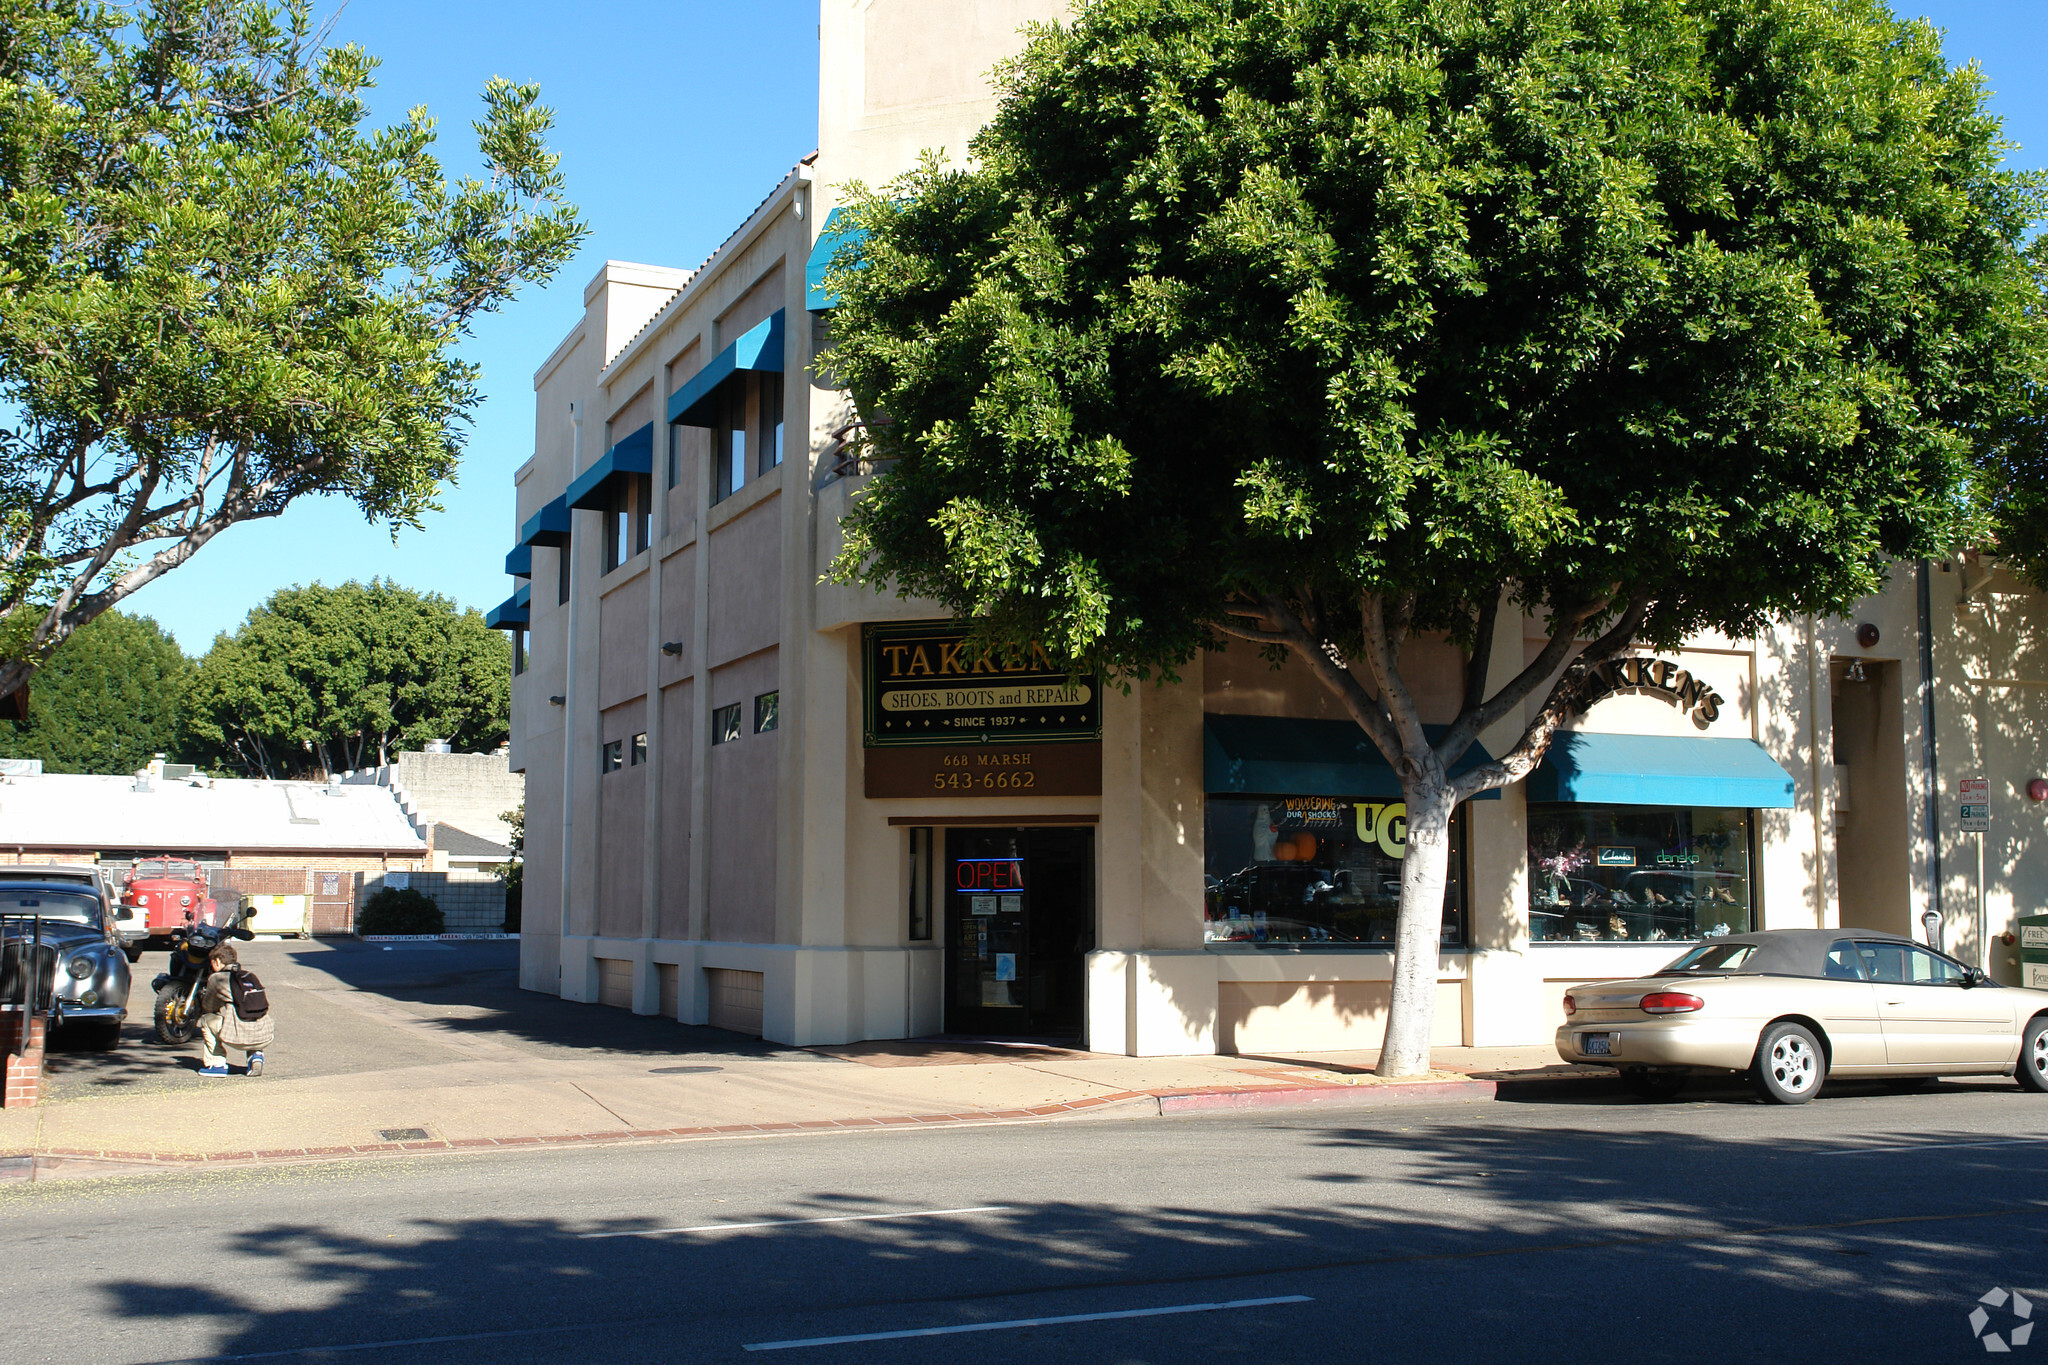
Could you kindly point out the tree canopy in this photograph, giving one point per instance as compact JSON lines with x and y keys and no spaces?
{"x":220,"y":290}
{"x":325,"y":680}
{"x":110,"y":702}
{"x":1327,"y":323}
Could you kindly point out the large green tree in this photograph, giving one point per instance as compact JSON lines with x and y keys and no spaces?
{"x":110,"y":702}
{"x":1323,"y":324}
{"x":324,"y":680}
{"x":221,"y":290}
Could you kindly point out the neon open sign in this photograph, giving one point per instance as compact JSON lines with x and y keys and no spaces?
{"x":988,"y":874}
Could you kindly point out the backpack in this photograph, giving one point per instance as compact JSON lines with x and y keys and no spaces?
{"x":251,"y":1001}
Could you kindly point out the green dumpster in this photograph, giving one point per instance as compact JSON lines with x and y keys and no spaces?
{"x":2034,"y":951}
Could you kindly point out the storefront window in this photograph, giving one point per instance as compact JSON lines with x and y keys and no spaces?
{"x":1315,"y":872}
{"x":1638,"y":873}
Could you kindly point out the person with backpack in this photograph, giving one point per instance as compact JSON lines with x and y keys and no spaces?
{"x":236,"y":1014}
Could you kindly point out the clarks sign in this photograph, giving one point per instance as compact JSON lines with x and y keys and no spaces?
{"x":927,"y":686}
{"x":1640,"y":677}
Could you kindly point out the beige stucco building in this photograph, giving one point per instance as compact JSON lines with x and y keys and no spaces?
{"x":802,"y":810}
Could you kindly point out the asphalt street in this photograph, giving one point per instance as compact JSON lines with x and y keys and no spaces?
{"x":1862,"y":1227}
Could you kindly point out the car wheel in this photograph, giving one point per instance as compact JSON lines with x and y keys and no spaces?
{"x":2032,"y":1071}
{"x":171,"y":1029}
{"x":1789,"y":1066}
{"x":1646,"y":1084}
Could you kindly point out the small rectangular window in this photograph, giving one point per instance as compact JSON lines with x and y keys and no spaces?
{"x":639,"y":749}
{"x":765,"y":708}
{"x":769,"y":395}
{"x":920,"y":882}
{"x":643,"y":513}
{"x":612,"y":758}
{"x":614,"y":536}
{"x":675,"y":453}
{"x":562,"y":577}
{"x":518,"y":652}
{"x":726,"y":724}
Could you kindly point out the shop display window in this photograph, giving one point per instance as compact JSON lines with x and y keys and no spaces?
{"x":1316,"y":872}
{"x":1638,"y":874}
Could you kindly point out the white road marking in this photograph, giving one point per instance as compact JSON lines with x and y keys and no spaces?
{"x":1027,"y":1322}
{"x":1927,"y":1147}
{"x":799,"y":1222}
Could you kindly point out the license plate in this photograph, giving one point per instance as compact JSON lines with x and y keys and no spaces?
{"x":1597,"y":1044}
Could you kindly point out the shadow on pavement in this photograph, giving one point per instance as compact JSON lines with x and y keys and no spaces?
{"x":1567,"y":1240}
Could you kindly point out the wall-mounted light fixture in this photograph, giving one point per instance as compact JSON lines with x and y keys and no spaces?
{"x":672,"y":647}
{"x":2037,"y":790}
{"x":1867,"y":635}
{"x":558,"y":701}
{"x":1855,"y":673}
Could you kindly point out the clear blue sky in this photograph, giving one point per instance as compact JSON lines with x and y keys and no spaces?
{"x":673,"y":120}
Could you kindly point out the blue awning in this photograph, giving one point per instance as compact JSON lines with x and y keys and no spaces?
{"x":1284,"y":756}
{"x":1660,"y":770}
{"x":510,"y":614}
{"x":519,"y":562}
{"x":831,"y":237}
{"x":548,"y":526}
{"x":633,"y":455}
{"x":758,"y":349}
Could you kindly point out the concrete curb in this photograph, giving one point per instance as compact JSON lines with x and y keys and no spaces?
{"x":1350,"y":1096}
{"x":58,"y":1163}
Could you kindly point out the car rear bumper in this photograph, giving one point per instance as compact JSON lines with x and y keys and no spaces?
{"x":1703,"y":1044}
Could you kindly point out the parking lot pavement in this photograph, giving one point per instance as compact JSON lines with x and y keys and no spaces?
{"x":347,"y":1008}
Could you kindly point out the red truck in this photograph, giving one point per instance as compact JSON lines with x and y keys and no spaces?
{"x":167,"y":894}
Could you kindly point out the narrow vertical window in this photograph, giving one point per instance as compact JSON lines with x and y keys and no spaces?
{"x":766,"y":707}
{"x":614,"y":532}
{"x":770,"y":395}
{"x":518,"y":652}
{"x":612,"y":757}
{"x":562,"y":576}
{"x":643,"y":513}
{"x":920,"y":882}
{"x":730,"y":453}
{"x":675,"y":453}
{"x":639,"y":751}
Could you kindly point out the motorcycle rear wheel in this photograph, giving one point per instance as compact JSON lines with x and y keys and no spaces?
{"x":171,"y":1027}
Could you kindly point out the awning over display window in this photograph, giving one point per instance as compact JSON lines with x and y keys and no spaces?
{"x":758,"y":349}
{"x":548,"y":526}
{"x":817,"y":298}
{"x":1660,"y":770}
{"x":1277,"y":755}
{"x":631,"y":456}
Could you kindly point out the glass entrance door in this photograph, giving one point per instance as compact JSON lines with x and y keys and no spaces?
{"x":1020,"y":920}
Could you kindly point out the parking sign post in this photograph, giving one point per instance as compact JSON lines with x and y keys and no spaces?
{"x":1973,"y":800}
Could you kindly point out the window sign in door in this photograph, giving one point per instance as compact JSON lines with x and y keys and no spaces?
{"x":989,"y":874}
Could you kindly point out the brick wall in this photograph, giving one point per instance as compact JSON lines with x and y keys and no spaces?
{"x":23,"y":1084}
{"x":471,"y":902}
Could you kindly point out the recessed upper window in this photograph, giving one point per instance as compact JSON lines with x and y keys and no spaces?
{"x":612,"y":757}
{"x":726,"y":725}
{"x":766,"y":707}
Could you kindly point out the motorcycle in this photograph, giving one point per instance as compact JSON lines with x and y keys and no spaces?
{"x":177,"y":990}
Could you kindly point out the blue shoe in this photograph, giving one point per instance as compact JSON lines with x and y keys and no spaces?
{"x":213,"y":1071}
{"x":255,"y":1064}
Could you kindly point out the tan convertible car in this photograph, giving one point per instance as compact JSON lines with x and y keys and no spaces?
{"x":1792,"y":1007}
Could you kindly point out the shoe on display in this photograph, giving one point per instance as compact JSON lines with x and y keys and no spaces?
{"x":255,"y":1064}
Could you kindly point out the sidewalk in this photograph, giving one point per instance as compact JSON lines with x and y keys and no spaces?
{"x":455,"y":1086}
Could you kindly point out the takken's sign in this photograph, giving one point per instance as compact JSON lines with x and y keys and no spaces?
{"x":1660,"y":678}
{"x":946,"y":719}
{"x":927,"y":686}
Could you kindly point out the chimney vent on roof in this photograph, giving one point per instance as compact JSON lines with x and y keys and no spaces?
{"x":440,"y":746}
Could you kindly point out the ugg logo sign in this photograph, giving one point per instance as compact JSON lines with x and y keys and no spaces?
{"x":1636,"y":677}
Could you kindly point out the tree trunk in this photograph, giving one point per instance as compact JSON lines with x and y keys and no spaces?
{"x":1418,"y":930}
